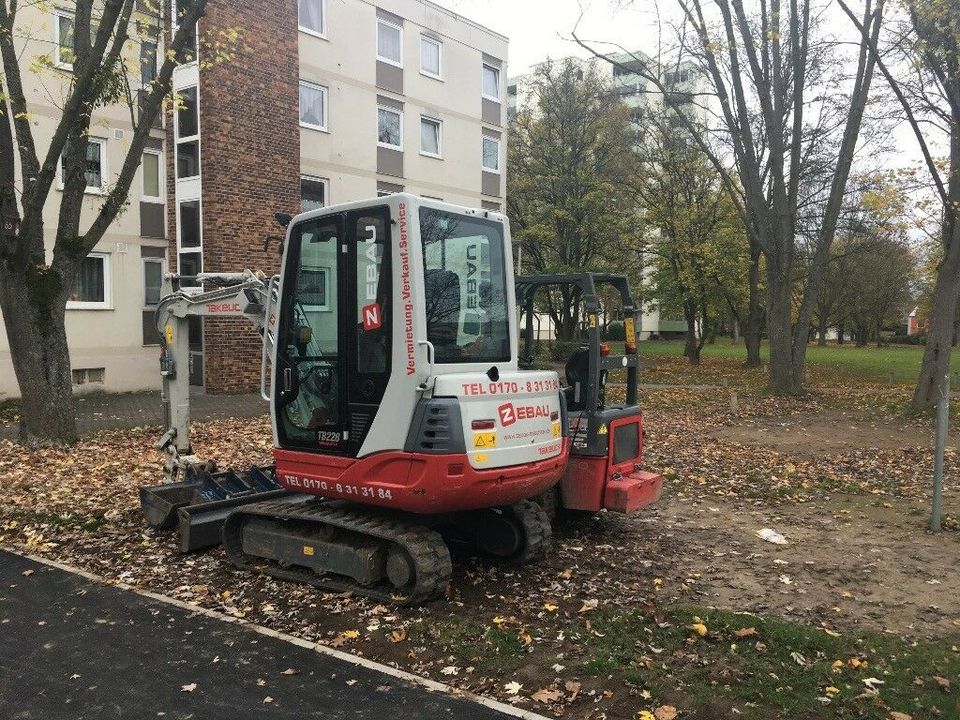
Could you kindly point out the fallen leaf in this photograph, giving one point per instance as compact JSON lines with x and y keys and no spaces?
{"x":450,"y":670}
{"x":398,"y":635}
{"x":512,"y":688}
{"x":831,"y":690}
{"x":572,"y":687}
{"x":350,"y":634}
{"x":566,"y":574}
{"x":268,"y":699}
{"x":188,"y":688}
{"x":799,"y":659}
{"x":550,"y":607}
{"x":27,"y":573}
{"x":745,"y":632}
{"x":546,"y":695}
{"x":588,"y":605}
{"x":894,"y":715}
{"x":557,"y":667}
{"x":699,"y":628}
{"x":290,"y":671}
{"x":942,"y":682}
{"x":646,"y":715}
{"x":785,"y":579}
{"x":665,"y":712}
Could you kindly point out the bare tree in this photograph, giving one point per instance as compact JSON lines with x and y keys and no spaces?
{"x":773,"y":75}
{"x":33,"y":290}
{"x":921,"y":63}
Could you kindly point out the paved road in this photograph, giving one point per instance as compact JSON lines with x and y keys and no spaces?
{"x":77,"y":649}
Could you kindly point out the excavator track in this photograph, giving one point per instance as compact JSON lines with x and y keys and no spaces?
{"x":537,"y":531}
{"x":340,"y":549}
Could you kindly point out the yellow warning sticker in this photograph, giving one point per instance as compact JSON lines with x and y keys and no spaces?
{"x":602,"y":430}
{"x":168,"y":331}
{"x":308,"y":550}
{"x":480,"y":458}
{"x":593,"y":320}
{"x":485,"y":440}
{"x":555,"y":429}
{"x":629,"y":329}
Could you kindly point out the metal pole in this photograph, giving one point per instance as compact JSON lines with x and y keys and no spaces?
{"x":943,"y":420}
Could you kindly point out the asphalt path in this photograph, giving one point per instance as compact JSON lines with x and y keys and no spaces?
{"x":75,"y":648}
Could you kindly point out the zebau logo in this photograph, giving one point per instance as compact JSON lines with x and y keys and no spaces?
{"x":508,"y":416}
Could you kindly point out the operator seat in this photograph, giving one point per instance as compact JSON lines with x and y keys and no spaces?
{"x":578,"y":373}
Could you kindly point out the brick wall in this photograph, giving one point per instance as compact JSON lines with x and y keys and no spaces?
{"x":250,"y":155}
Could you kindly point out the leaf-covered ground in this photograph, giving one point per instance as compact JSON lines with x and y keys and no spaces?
{"x":681,"y":610}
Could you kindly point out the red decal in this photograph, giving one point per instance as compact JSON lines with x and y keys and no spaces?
{"x":371,"y":316}
{"x":507,"y":415}
{"x":223,"y":307}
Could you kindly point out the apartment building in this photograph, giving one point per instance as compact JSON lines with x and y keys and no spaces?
{"x":316,"y":102}
{"x":623,"y":73}
{"x":109,"y":318}
{"x":324,"y":102}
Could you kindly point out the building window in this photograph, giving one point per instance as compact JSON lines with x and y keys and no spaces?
{"x":148,"y":63}
{"x":91,"y":286}
{"x":491,"y":82}
{"x":95,"y":165}
{"x":430,"y":136}
{"x":150,"y":166}
{"x":313,"y":17}
{"x":430,"y":56}
{"x":312,"y":288}
{"x":63,"y":41}
{"x":189,"y":52}
{"x":491,"y":154}
{"x":152,"y":281}
{"x":189,"y":232}
{"x":188,"y":133}
{"x":389,"y":42}
{"x":389,"y":128}
{"x":313,"y":193}
{"x":313,"y":106}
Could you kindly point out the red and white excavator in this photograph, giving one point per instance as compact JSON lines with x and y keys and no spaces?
{"x":403,"y":424}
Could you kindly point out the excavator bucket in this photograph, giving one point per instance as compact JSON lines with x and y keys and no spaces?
{"x":198,"y":505}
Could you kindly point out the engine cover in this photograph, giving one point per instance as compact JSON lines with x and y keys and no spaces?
{"x":512,"y":420}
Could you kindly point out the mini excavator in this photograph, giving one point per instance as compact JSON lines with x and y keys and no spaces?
{"x":403,"y":423}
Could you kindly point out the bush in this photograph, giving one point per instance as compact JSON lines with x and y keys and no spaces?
{"x":561,"y":350}
{"x":908,"y":340}
{"x":615,"y":331}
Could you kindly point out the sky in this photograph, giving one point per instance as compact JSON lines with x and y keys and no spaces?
{"x":541,"y":28}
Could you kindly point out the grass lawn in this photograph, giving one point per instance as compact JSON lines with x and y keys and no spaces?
{"x":713,"y":663}
{"x":899,"y":363}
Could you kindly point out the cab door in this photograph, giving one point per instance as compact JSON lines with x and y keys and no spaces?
{"x":334,"y":344}
{"x":370,"y":325}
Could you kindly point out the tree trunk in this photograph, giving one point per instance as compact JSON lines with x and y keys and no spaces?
{"x":33,"y":315}
{"x":936,"y":355}
{"x":783,"y":379}
{"x":840,"y":333}
{"x":822,"y":332}
{"x":753,"y":331}
{"x":734,"y":331}
{"x":692,"y":346}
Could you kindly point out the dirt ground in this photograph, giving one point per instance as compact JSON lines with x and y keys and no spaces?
{"x":846,"y":491}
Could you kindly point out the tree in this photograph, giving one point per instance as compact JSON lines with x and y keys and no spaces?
{"x":773,"y":74}
{"x":33,"y":290}
{"x":695,"y":241}
{"x":570,"y":159}
{"x":925,"y":50}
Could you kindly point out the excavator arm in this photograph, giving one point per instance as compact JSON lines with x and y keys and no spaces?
{"x":248,"y":294}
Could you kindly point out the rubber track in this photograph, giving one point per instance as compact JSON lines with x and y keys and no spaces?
{"x":425,"y":546}
{"x":537,"y":530}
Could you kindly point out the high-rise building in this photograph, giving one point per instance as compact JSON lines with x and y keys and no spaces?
{"x":280,"y":107}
